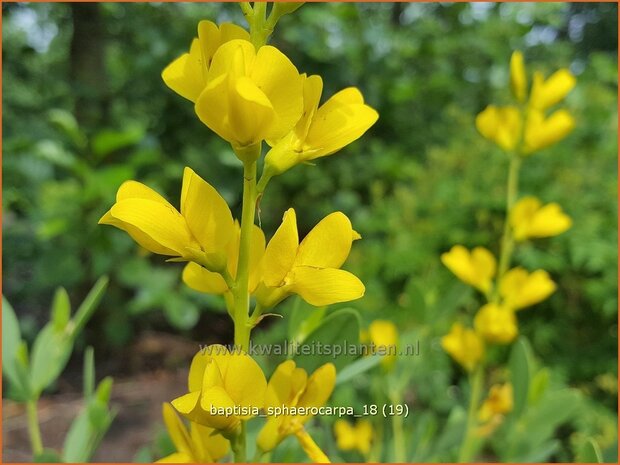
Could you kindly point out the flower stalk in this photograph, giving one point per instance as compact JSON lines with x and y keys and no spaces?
{"x":475,"y":381}
{"x":33,"y":428}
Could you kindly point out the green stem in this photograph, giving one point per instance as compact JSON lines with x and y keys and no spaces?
{"x":33,"y":427}
{"x":258,"y":31}
{"x":475,"y":381}
{"x":237,"y":444}
{"x":400,"y":450}
{"x":507,"y":244}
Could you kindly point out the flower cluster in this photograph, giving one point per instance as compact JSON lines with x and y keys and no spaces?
{"x":249,"y":93}
{"x":520,"y":130}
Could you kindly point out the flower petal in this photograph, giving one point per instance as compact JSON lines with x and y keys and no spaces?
{"x":176,"y":430}
{"x":155,"y":226}
{"x":319,"y":387}
{"x":280,"y":385}
{"x":185,"y":75}
{"x":327,"y":286}
{"x":281,"y":251}
{"x":210,"y":447}
{"x":202,"y":280}
{"x":328,"y":244}
{"x":137,"y":190}
{"x":176,"y":457}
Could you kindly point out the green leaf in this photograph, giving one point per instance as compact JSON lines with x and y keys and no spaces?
{"x":589,"y":452}
{"x":358,"y":367}
{"x":88,"y":306}
{"x":67,"y":123}
{"x":61,"y":310}
{"x":538,"y":386}
{"x":50,"y":353}
{"x":89,"y":372}
{"x":11,"y":341}
{"x":180,"y":312}
{"x":109,"y":140}
{"x":520,"y":369}
{"x":104,"y":390}
{"x":330,"y":341}
{"x":84,"y":435}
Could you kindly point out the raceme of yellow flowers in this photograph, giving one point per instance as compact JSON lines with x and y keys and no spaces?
{"x":249,"y":93}
{"x":520,"y":130}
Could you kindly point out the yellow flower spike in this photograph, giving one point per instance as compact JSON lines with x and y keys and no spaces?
{"x":497,"y":324}
{"x":520,"y":289}
{"x":518,"y":78}
{"x":290,"y":387}
{"x":203,"y":280}
{"x":323,"y":130}
{"x":187,"y":75}
{"x":357,"y":437}
{"x":200,"y":445}
{"x":541,"y":131}
{"x":464,"y":346}
{"x":199,"y":232}
{"x":225,"y":388}
{"x":529,"y":218}
{"x":498,"y":402}
{"x":250,"y":95}
{"x":312,"y":268}
{"x":383,"y":333}
{"x":476,"y":268}
{"x":501,"y":125}
{"x":546,"y":93}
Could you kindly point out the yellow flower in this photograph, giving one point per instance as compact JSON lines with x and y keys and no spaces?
{"x":225,"y":388}
{"x":476,"y":268}
{"x":501,"y":125}
{"x":499,"y":402}
{"x":187,"y":75}
{"x":463,"y":345}
{"x":546,"y":93}
{"x":529,"y":218}
{"x":200,"y":279}
{"x":250,"y":95}
{"x":541,"y":131}
{"x":384,"y":334}
{"x":518,"y":78}
{"x":312,"y":268}
{"x":520,"y":289}
{"x":496,"y":324}
{"x":322,"y":130}
{"x":201,"y":232}
{"x":357,"y":437}
{"x":291,"y":388}
{"x":200,"y":444}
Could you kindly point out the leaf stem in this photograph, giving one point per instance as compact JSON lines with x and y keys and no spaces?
{"x":475,"y":382}
{"x":33,"y":427}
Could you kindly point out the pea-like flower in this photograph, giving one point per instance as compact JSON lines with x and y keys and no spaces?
{"x":310,"y":268}
{"x":501,"y":125}
{"x":290,"y":387}
{"x":187,"y":75}
{"x":225,"y":388}
{"x":497,"y":324}
{"x":520,"y":289}
{"x":322,"y":130}
{"x":548,"y":92}
{"x":498,"y":402}
{"x":354,"y":437}
{"x":464,"y":346}
{"x":476,"y":268}
{"x":542,"y":131}
{"x":529,"y":218}
{"x":200,"y":232}
{"x":250,"y":95}
{"x":384,"y":337}
{"x":200,"y":444}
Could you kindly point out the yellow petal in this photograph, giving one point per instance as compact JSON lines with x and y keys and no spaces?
{"x":244,"y":380}
{"x":155,"y":226}
{"x":501,"y":125}
{"x":177,"y":457}
{"x":211,"y":37}
{"x":345,"y":435}
{"x":251,"y":113}
{"x":281,"y":251}
{"x":212,"y":106}
{"x":319,"y":386}
{"x":313,"y":88}
{"x":280,"y":385}
{"x":311,"y":448}
{"x":176,"y":430}
{"x":497,"y":324}
{"x":541,"y":133}
{"x":463,"y":345}
{"x":278,"y":78}
{"x":383,"y":333}
{"x":185,"y":75}
{"x":476,"y":268}
{"x":206,"y":212}
{"x":210,"y":401}
{"x":269,"y":436}
{"x":520,"y":289}
{"x":341,"y":120}
{"x":328,"y":244}
{"x":203,"y":280}
{"x":546,"y":93}
{"x":137,"y":190}
{"x":530,"y":220}
{"x":210,"y":447}
{"x":326,"y":286}
{"x":518,"y":79}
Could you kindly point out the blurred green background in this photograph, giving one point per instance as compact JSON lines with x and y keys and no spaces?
{"x":85,"y":108}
